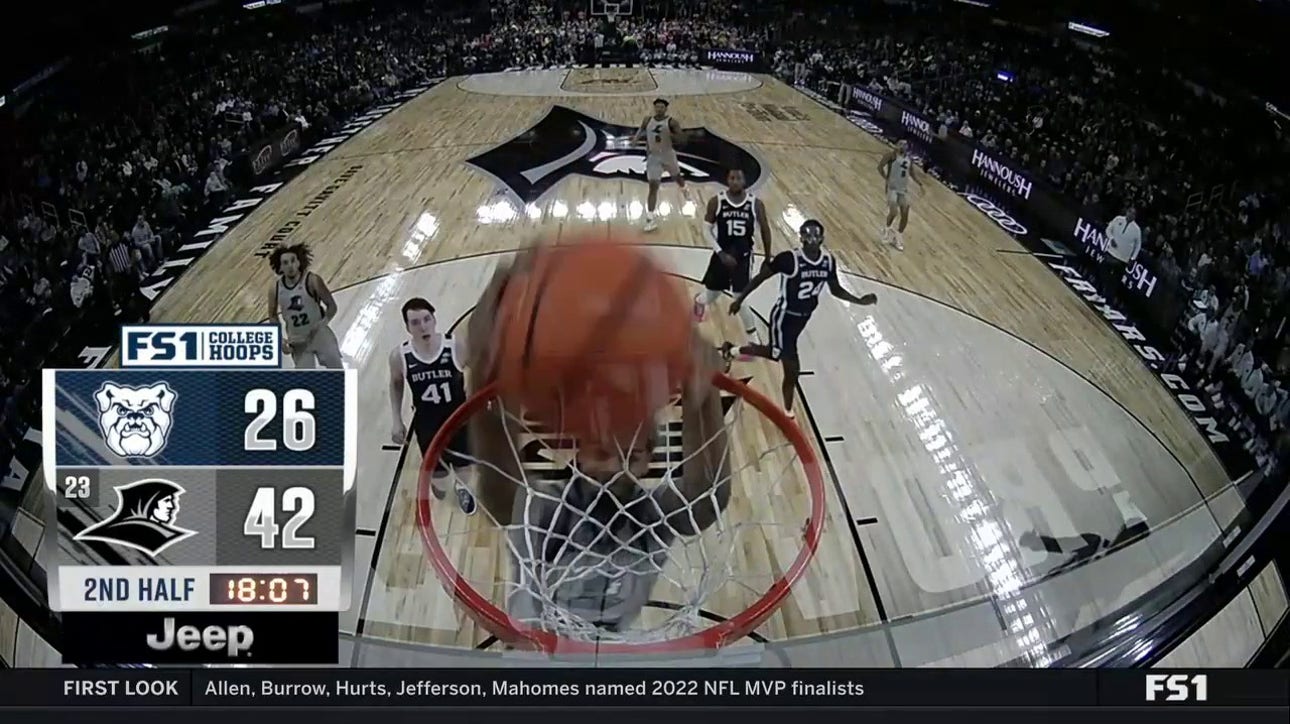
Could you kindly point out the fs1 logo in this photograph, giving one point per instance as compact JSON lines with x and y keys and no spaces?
{"x":1178,"y":687}
{"x":195,"y":345}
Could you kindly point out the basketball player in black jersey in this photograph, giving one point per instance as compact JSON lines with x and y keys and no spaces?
{"x":432,"y":367}
{"x":805,"y":272}
{"x":732,"y":220}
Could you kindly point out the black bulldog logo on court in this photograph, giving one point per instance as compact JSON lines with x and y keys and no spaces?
{"x":567,"y":142}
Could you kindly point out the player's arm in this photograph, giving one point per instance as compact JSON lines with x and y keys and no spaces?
{"x":764,"y":222}
{"x":678,"y":133}
{"x":271,"y":303}
{"x":884,"y":165}
{"x":841,"y":292}
{"x":916,"y":174}
{"x":710,"y":225}
{"x":323,"y":294}
{"x":271,"y":306}
{"x":490,"y":440}
{"x":640,"y":132}
{"x":782,"y":263}
{"x":396,"y":395}
{"x":698,"y":498}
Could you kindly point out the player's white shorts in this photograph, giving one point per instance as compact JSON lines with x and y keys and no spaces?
{"x":656,"y":164}
{"x":323,"y":350}
{"x":897,"y":198}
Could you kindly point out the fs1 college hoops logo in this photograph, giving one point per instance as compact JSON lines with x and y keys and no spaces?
{"x":566,"y":142}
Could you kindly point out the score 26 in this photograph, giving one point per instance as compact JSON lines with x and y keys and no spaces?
{"x":298,"y":425}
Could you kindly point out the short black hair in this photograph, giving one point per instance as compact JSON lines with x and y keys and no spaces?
{"x":301,"y":251}
{"x":734,"y":169}
{"x":663,"y":101}
{"x":416,"y":303}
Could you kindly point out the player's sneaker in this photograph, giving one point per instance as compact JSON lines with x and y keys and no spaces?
{"x":700,"y":309}
{"x":465,"y":499}
{"x":651,"y":223}
{"x":885,"y":235}
{"x":898,"y":241}
{"x":438,"y":483}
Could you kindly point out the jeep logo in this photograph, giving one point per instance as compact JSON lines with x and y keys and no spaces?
{"x":1001,"y":217}
{"x":233,"y":641}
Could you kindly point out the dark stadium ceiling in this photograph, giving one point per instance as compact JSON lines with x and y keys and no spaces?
{"x":36,"y":34}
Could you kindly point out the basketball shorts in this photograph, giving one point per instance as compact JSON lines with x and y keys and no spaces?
{"x":657,"y":163}
{"x":425,"y":427}
{"x":785,"y":328}
{"x":323,"y":350}
{"x":721,"y":278}
{"x":897,"y":198}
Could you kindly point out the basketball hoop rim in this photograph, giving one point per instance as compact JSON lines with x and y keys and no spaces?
{"x":498,"y":623}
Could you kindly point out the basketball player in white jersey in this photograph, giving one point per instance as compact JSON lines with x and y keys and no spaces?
{"x":430,"y":364}
{"x":599,"y":549}
{"x":306,"y":306}
{"x":897,"y":168}
{"x":732,"y":219}
{"x":662,"y":133}
{"x":805,"y":272}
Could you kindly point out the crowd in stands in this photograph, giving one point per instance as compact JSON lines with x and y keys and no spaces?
{"x":142,"y":144}
{"x":124,"y":157}
{"x":1207,"y":181}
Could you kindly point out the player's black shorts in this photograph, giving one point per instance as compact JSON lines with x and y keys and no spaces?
{"x":785,"y":328}
{"x":721,"y":278}
{"x":425,"y":427}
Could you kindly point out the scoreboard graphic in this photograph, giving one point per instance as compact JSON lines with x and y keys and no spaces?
{"x":207,"y":510}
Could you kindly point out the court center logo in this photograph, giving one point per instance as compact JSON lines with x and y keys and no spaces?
{"x":566,"y":142}
{"x":545,"y":454}
{"x":135,"y":421}
{"x":144,"y":518}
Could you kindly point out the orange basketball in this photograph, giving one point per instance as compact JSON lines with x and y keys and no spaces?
{"x":592,"y":338}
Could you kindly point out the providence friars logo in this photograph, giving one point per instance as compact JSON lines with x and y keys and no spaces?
{"x":566,"y":142}
{"x":144,"y":518}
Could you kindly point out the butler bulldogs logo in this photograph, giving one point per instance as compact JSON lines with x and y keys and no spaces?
{"x":144,"y":519}
{"x":135,"y":421}
{"x":567,"y":142}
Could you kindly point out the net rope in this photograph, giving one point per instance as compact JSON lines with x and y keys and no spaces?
{"x":574,"y":543}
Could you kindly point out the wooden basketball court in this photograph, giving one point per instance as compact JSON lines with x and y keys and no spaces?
{"x":977,"y":403}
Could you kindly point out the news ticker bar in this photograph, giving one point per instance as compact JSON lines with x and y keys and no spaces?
{"x":592,"y":688}
{"x":190,"y":638}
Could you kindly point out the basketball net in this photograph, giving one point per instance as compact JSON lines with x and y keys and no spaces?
{"x":575,"y":546}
